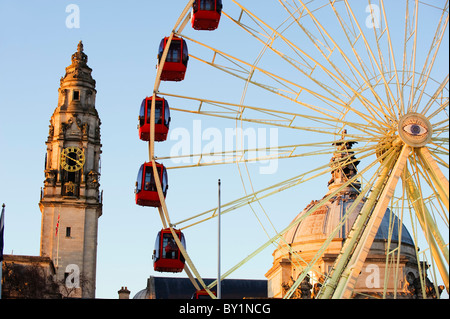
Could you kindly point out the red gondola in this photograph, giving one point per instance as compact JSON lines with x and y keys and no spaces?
{"x":146,"y":192}
{"x":162,"y":119}
{"x":202,"y":294}
{"x":177,"y":59}
{"x":206,"y":14}
{"x":167,"y":257}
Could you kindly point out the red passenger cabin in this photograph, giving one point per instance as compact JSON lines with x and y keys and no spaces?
{"x":167,"y":257}
{"x":202,"y":294}
{"x":174,"y":68}
{"x":146,"y":192}
{"x":162,"y":119}
{"x":206,"y":14}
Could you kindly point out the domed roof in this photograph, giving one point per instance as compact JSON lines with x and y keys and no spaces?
{"x":323,"y":221}
{"x":142,"y":294}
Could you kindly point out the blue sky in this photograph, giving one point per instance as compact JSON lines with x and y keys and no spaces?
{"x":121,"y":39}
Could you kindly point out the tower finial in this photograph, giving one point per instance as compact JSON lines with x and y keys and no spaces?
{"x":79,"y":70}
{"x":79,"y":56}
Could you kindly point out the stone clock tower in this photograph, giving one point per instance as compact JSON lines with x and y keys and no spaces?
{"x":71,"y":201}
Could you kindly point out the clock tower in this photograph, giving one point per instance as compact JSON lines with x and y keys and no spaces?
{"x":71,"y":201}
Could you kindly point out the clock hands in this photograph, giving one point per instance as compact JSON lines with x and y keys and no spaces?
{"x":73,"y":159}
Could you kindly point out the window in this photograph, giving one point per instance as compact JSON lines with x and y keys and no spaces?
{"x":207,"y":5}
{"x":158,"y":112}
{"x":164,"y":181}
{"x":185,"y":53}
{"x":161,"y":50}
{"x":68,"y":231}
{"x":156,"y":252}
{"x":76,"y":95}
{"x":166,"y":114}
{"x":149,"y":181}
{"x":142,"y":114}
{"x":139,"y":180}
{"x":170,"y":248}
{"x":174,"y":54}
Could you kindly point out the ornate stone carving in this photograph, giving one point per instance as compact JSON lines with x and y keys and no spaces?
{"x":62,"y":129}
{"x":79,"y":56}
{"x":76,"y":120}
{"x":50,"y":177}
{"x":92,"y":179}
{"x":51,"y":131}
{"x":303,"y":291}
{"x":79,"y":70}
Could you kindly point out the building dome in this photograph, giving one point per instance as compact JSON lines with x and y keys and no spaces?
{"x":321,"y":220}
{"x":321,"y":224}
{"x":142,"y":294}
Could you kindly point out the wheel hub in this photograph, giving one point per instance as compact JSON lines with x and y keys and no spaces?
{"x":415,"y":130}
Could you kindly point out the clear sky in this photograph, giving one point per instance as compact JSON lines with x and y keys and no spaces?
{"x":121,"y":39}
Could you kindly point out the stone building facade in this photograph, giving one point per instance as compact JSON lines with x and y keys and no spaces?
{"x":71,"y":202}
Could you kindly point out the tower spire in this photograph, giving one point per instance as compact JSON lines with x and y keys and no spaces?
{"x":80,"y":46}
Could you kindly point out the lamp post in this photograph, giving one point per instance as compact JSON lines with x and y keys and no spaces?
{"x":219,"y":286}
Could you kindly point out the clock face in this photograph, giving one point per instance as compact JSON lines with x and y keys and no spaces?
{"x":72,"y":159}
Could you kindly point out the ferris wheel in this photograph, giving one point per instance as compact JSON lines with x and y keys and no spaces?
{"x":326,"y":75}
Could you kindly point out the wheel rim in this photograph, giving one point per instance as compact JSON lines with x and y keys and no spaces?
{"x":379,"y":98}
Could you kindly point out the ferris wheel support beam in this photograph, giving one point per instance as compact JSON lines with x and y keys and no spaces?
{"x":429,"y":227}
{"x":440,"y":181}
{"x":354,"y":252}
{"x":351,"y":272}
{"x":330,"y":284}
